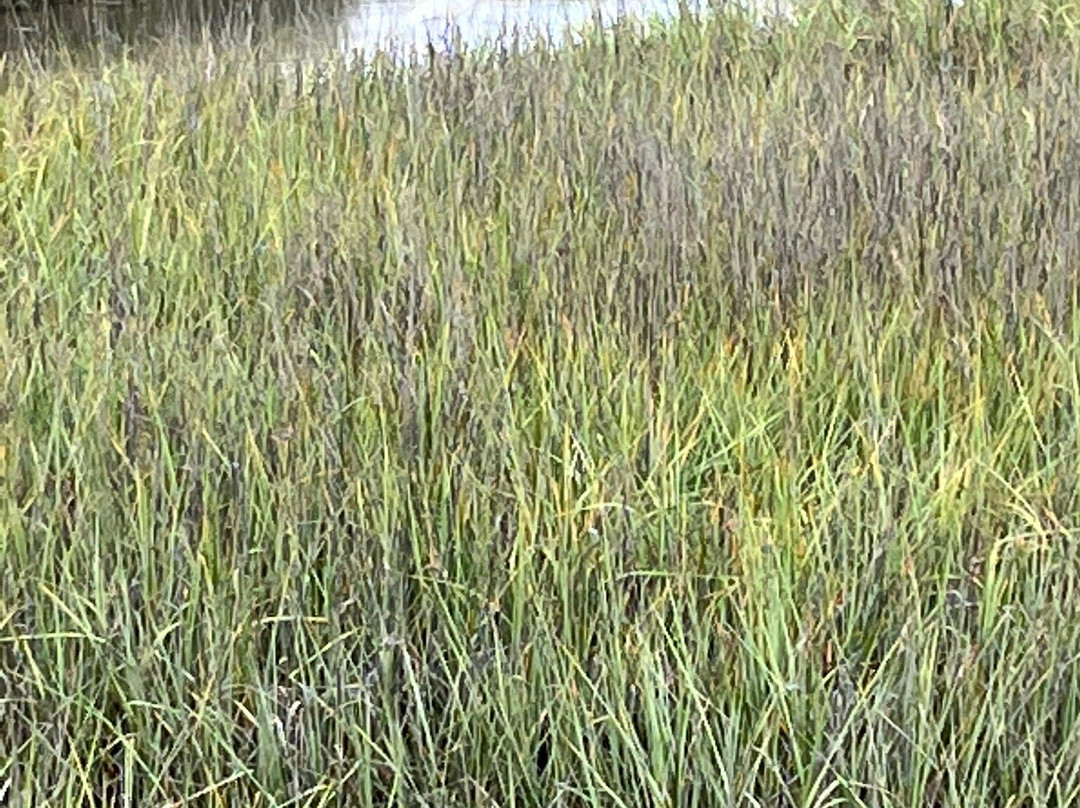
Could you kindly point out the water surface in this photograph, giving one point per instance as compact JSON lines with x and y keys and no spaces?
{"x":399,"y":26}
{"x":351,"y":27}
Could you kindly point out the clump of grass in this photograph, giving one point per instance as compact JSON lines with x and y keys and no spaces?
{"x":682,"y":419}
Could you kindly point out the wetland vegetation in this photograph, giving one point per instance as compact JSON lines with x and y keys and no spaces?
{"x":683,"y":417}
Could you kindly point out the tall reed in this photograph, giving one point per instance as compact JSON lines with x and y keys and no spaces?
{"x":685,"y":418}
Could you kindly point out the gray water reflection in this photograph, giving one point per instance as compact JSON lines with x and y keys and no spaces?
{"x":401,"y":26}
{"x":82,"y":23}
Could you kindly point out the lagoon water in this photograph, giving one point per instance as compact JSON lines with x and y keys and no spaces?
{"x":362,"y":27}
{"x":399,"y":26}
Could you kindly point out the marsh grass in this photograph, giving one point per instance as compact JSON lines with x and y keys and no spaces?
{"x":686,"y":419}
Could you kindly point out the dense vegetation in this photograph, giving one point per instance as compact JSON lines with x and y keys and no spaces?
{"x":682,"y":418}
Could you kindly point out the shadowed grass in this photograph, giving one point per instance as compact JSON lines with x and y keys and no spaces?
{"x":686,"y":419}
